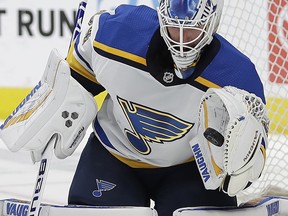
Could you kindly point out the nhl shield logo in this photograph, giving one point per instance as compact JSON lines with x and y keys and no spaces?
{"x":168,"y":77}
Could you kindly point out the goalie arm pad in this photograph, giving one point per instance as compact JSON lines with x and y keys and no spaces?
{"x":58,"y":105}
{"x":232,"y":137}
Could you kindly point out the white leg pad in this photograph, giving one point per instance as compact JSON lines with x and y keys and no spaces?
{"x":266,"y":206}
{"x":19,"y":207}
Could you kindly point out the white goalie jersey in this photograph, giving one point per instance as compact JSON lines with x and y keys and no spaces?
{"x":149,"y":114}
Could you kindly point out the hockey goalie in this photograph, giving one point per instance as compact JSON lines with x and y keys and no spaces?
{"x":184,"y":121}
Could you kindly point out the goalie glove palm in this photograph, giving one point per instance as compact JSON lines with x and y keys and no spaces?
{"x":234,"y":183}
{"x":232,"y":135}
{"x":244,"y":153}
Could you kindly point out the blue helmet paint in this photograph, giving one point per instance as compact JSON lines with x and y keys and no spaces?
{"x":183,"y":8}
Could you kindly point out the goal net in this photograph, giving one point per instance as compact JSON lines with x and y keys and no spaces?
{"x":259,"y":28}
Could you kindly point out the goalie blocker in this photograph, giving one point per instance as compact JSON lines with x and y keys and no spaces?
{"x":232,"y":137}
{"x":58,"y":105}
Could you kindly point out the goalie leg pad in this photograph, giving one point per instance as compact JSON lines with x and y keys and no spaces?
{"x":264,"y":206}
{"x":20,"y":207}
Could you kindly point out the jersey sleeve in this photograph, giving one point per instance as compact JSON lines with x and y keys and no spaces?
{"x":80,"y":57}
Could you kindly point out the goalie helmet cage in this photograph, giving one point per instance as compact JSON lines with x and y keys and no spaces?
{"x":259,"y":28}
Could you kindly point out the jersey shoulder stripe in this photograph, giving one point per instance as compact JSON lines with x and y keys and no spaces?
{"x":126,"y":34}
{"x":120,"y":56}
{"x":120,"y":53}
{"x":207,"y":83}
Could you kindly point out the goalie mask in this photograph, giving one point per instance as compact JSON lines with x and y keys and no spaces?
{"x":192,"y":24}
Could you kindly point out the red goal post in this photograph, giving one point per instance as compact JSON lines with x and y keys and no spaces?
{"x":259,"y":28}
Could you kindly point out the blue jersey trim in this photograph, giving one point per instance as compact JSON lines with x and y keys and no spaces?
{"x":101,"y":134}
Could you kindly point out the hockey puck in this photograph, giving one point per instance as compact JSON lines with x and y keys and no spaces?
{"x":214,"y":137}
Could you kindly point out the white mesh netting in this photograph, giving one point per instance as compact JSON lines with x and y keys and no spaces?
{"x":259,"y":28}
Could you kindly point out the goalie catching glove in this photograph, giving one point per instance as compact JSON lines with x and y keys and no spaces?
{"x":230,"y":148}
{"x":58,"y":105}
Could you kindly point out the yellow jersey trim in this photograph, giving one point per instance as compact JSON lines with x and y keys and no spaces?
{"x":206,"y":82}
{"x":120,"y":53}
